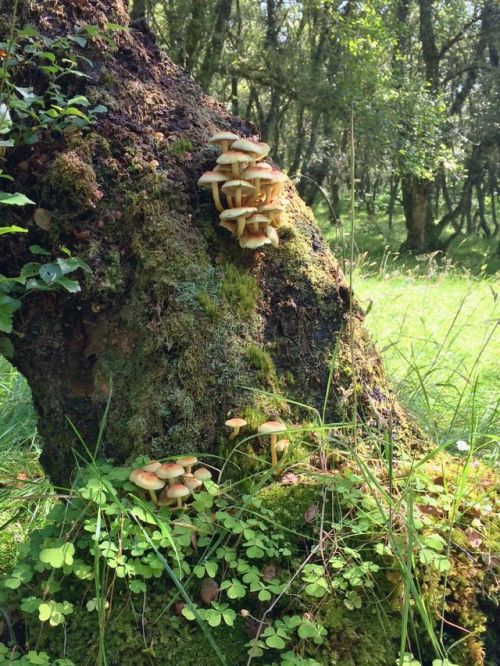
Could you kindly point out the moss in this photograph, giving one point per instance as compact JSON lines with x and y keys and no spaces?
{"x":239,"y":290}
{"x":262,"y":362}
{"x":69,"y":185}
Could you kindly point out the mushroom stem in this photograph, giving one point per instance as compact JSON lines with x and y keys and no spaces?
{"x":215,"y":194}
{"x":238,"y":197}
{"x":179,"y":503}
{"x":235,"y":170}
{"x":240,"y":228}
{"x":153,"y":496}
{"x":224,"y":145}
{"x":255,"y":196}
{"x":274,"y":454}
{"x":235,"y":432}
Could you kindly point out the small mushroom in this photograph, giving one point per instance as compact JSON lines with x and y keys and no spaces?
{"x":192,"y":484}
{"x":152,"y":466}
{"x":177,"y":492}
{"x":257,"y":174}
{"x":223,"y":139}
{"x":163,"y":500}
{"x":282,"y":447}
{"x":230,"y":226}
{"x":238,"y":189}
{"x":235,"y":424}
{"x":239,"y":215}
{"x":272,"y":234}
{"x":272,"y":428}
{"x":257,"y":149}
{"x":148,"y":481}
{"x":212,"y":179}
{"x":202,"y":474}
{"x":235,"y":158}
{"x":257,"y":222}
{"x":273,"y":187}
{"x":272,"y":211}
{"x":252,"y":240}
{"x":187,"y":462}
{"x":170,"y":471}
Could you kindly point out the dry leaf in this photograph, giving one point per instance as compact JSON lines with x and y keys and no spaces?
{"x":43,"y":218}
{"x":474,"y":537}
{"x":209,"y":590}
{"x":310,"y":513}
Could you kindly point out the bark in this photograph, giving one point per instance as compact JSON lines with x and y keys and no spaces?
{"x":415,"y":192}
{"x":175,"y":317}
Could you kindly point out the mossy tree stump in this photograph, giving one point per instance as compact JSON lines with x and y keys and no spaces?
{"x":175,"y":318}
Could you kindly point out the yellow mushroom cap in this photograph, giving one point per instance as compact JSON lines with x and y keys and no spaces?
{"x":233,"y":185}
{"x":148,"y":480}
{"x":202,"y":474}
{"x":177,"y":491}
{"x":133,"y":474}
{"x":233,"y":213}
{"x":223,"y":135}
{"x":152,"y":466}
{"x":271,"y":427}
{"x":169,"y":471}
{"x":258,"y":218}
{"x":187,"y":461}
{"x":256,"y":172}
{"x":254,"y":240}
{"x":232,"y":156}
{"x":236,"y":422}
{"x":256,"y":148}
{"x":282,"y":445}
{"x":192,"y":483}
{"x":210,"y":177}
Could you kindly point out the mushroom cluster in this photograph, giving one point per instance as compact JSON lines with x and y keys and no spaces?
{"x":176,"y":480}
{"x":248,"y":199}
{"x":271,"y":428}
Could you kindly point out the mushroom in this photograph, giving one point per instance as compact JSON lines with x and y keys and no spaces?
{"x":257,"y":149}
{"x":187,"y":462}
{"x":235,"y":158}
{"x":238,"y":214}
{"x":235,"y":424}
{"x":273,"y":187}
{"x":223,"y":139}
{"x":148,"y":481}
{"x":163,"y":500}
{"x":152,"y":466}
{"x":170,"y":471}
{"x":192,"y":484}
{"x":272,"y":210}
{"x":202,"y":474}
{"x":230,"y":226}
{"x":252,"y":240}
{"x":282,"y":447}
{"x":212,"y":179}
{"x":256,"y":221}
{"x":177,"y":492}
{"x":272,"y":234}
{"x":257,"y":174}
{"x":236,"y":188}
{"x":272,"y":428}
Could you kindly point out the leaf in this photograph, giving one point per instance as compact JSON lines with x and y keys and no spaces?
{"x":15,"y":199}
{"x":310,"y":513}
{"x":275,"y":642}
{"x":49,"y":273}
{"x":81,"y":41}
{"x":6,"y":347}
{"x":188,"y":613}
{"x":44,"y":612}
{"x":12,"y":230}
{"x":70,"y":285}
{"x":36,"y":249}
{"x":72,"y":264}
{"x":43,"y":218}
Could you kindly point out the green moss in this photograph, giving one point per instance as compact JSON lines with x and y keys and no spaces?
{"x":70,"y":184}
{"x":261,"y":361}
{"x":240,"y":291}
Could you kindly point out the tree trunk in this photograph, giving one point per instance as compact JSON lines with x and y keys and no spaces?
{"x":175,"y":318}
{"x":415,"y":192}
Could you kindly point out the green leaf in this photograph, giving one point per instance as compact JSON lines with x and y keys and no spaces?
{"x":36,"y":249}
{"x":15,"y":199}
{"x":44,"y":612}
{"x":12,"y":230}
{"x":72,"y":264}
{"x":275,"y":642}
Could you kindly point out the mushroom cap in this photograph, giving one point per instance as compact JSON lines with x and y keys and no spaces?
{"x":257,"y":148}
{"x":277,"y":176}
{"x":133,"y":474}
{"x":210,"y":177}
{"x":252,"y":173}
{"x":253,"y":240}
{"x":169,"y":471}
{"x":163,"y":500}
{"x":263,"y":166}
{"x":223,"y":135}
{"x":258,"y":218}
{"x":272,"y":234}
{"x":282,"y":445}
{"x":202,"y":474}
{"x":233,"y":156}
{"x":148,"y":480}
{"x":233,"y":213}
{"x":177,"y":490}
{"x":273,"y":207}
{"x":270,"y":427}
{"x":236,"y":422}
{"x":232,"y":185}
{"x":187,"y":461}
{"x":152,"y":466}
{"x":192,"y":483}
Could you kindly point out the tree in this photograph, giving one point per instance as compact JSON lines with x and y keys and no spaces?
{"x":175,"y":318}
